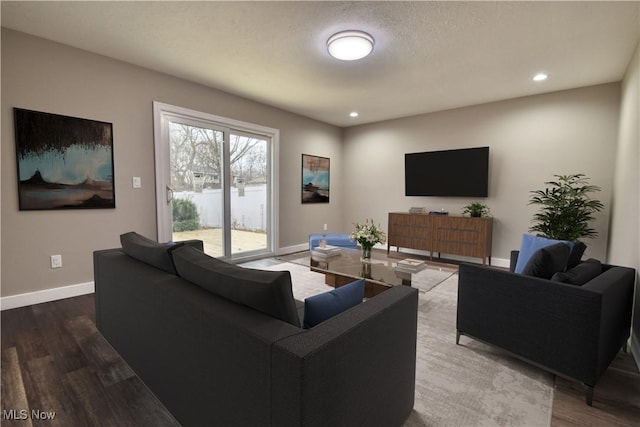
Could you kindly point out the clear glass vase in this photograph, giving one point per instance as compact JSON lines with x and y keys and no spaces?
{"x":366,"y":253}
{"x":365,"y":270}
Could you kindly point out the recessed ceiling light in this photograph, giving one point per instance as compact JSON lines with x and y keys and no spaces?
{"x":540,"y":77}
{"x":350,"y":45}
{"x":353,"y":114}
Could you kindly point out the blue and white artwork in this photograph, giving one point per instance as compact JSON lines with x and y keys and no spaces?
{"x":63,"y":162}
{"x":315,"y":179}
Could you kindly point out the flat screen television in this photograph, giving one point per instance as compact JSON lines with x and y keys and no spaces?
{"x":447,"y":173}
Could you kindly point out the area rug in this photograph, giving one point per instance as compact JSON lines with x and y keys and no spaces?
{"x":470,"y":384}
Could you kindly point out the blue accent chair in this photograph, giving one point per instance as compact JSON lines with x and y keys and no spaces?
{"x":340,"y":240}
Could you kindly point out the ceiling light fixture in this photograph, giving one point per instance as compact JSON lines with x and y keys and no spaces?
{"x":350,"y":45}
{"x":540,"y":77}
{"x":353,"y":114}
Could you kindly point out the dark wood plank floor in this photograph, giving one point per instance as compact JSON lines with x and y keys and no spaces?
{"x":616,"y":400}
{"x":55,"y":361}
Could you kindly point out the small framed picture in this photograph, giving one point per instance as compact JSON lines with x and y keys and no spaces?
{"x":315,"y":179}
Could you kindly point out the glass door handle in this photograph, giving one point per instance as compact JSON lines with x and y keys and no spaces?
{"x":169,"y":195}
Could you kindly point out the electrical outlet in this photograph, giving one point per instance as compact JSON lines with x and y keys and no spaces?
{"x":325,"y":227}
{"x":56,"y":261}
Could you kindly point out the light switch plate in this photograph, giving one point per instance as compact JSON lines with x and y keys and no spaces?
{"x":137,"y":182}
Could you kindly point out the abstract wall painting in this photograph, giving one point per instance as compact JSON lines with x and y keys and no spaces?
{"x":63,"y":162}
{"x":315,"y":179}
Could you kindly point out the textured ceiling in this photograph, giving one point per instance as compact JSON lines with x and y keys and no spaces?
{"x":429,"y":56}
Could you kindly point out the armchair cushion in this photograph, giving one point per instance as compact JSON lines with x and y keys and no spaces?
{"x":576,"y":254}
{"x":547,"y":261}
{"x":530,"y":244}
{"x":580,"y":274}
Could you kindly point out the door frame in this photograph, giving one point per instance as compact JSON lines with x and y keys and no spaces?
{"x":161,"y":113}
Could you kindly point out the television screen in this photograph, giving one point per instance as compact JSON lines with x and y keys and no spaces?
{"x":447,"y":173}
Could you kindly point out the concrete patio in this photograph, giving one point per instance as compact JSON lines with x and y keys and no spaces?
{"x":241,"y":241}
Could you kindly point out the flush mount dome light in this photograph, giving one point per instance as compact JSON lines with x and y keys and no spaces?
{"x":350,"y":45}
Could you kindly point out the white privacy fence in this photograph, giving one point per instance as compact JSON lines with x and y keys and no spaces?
{"x":248,"y":211}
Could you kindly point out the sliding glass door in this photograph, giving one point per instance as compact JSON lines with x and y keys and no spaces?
{"x":195,"y":188}
{"x":249,"y":193}
{"x":214,"y":182}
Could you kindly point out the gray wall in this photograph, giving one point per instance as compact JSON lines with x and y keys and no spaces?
{"x":45,"y":76}
{"x":530,"y":140}
{"x":624,"y":244}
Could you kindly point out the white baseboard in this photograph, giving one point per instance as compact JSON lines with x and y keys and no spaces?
{"x":293,"y":249}
{"x":30,"y":298}
{"x":495,"y":262}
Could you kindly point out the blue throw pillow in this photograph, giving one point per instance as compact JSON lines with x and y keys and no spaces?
{"x":530,"y":244}
{"x":319,"y":308}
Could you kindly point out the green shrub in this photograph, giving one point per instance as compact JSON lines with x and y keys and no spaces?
{"x":185,"y":215}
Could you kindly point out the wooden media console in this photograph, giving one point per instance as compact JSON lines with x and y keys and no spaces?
{"x":455,"y":235}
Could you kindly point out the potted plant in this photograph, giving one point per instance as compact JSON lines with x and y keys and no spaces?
{"x":565,"y":208}
{"x":476,"y":209}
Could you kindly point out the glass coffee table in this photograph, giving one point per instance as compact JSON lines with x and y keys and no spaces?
{"x":379,"y":272}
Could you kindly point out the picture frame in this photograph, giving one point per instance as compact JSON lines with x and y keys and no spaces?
{"x":63,"y":162}
{"x":315,"y":179}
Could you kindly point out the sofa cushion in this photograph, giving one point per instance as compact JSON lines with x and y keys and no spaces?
{"x":149,"y":251}
{"x":576,"y":254}
{"x":530,"y":244}
{"x":319,"y":308}
{"x":547,"y":261}
{"x":269,"y":292}
{"x":580,"y":274}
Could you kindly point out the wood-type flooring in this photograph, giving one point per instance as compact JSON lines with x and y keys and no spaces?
{"x":57,"y":370}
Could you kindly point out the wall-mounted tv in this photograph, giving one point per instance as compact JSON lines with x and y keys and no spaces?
{"x":447,"y":173}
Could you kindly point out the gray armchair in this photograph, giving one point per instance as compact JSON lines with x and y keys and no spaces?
{"x":571,"y":331}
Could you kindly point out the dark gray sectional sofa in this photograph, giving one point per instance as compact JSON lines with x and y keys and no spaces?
{"x":214,"y":362}
{"x":571,"y":331}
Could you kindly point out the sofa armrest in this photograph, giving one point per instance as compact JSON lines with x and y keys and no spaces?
{"x":552,"y":324}
{"x":357,"y":368}
{"x":616,"y":285}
